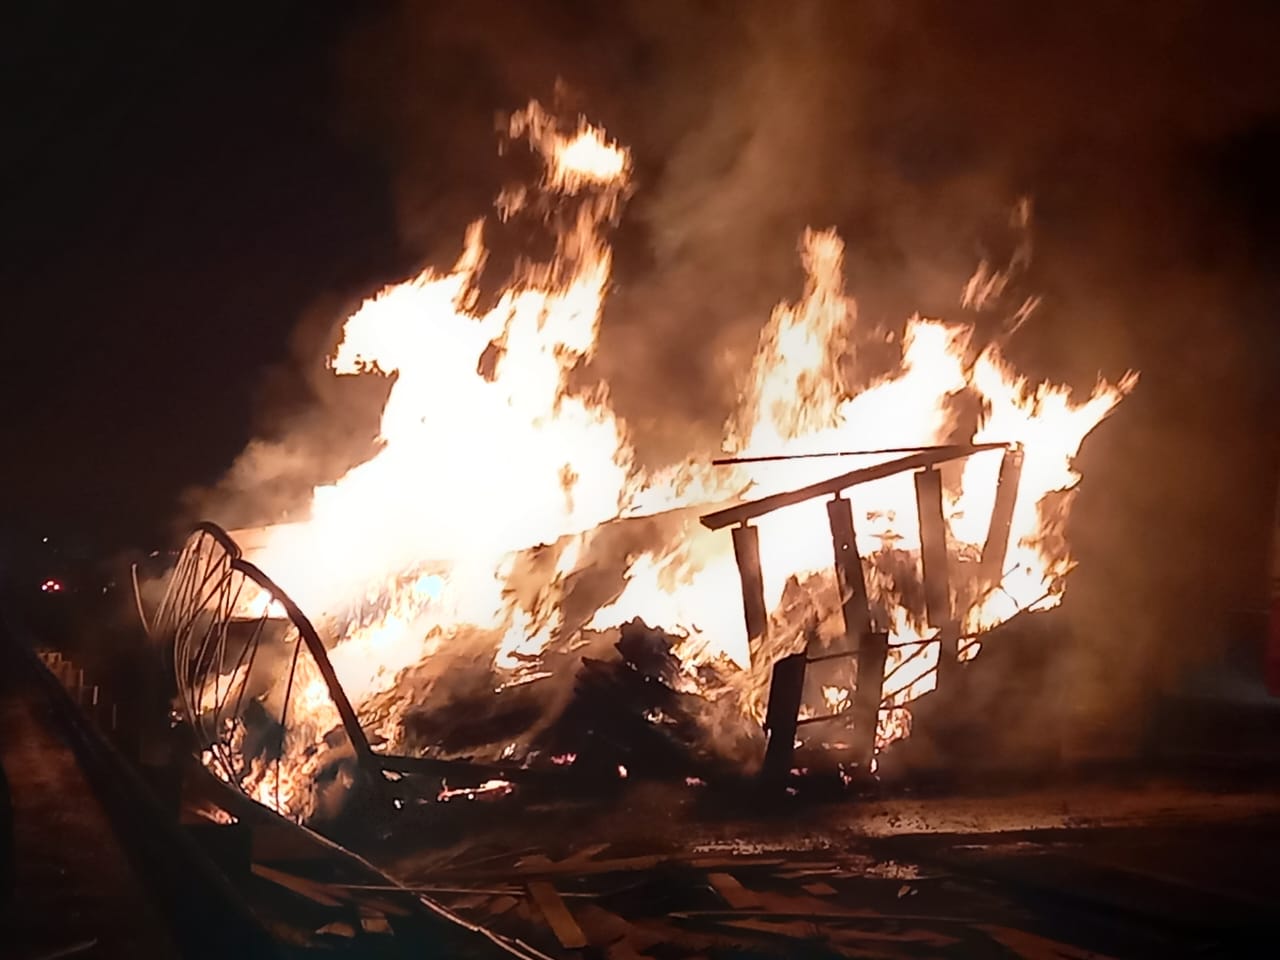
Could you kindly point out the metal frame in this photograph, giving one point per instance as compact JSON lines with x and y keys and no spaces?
{"x":194,"y":622}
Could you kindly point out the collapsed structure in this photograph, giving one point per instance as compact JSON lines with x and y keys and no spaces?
{"x":316,"y":655}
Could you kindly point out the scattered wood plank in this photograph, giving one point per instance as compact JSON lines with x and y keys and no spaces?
{"x":586,"y":853}
{"x":557,"y":915}
{"x":536,"y":861}
{"x":313,"y":891}
{"x":540,"y":865}
{"x":470,"y":901}
{"x":385,"y":906}
{"x":620,"y":865}
{"x":791,"y":929}
{"x":732,"y":892}
{"x":338,"y":929}
{"x":501,"y":905}
{"x":819,"y":889}
{"x":374,"y":923}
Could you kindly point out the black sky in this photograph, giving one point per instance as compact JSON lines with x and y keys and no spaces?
{"x":175,"y":196}
{"x":195,"y":193}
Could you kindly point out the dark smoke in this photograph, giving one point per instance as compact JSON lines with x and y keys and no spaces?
{"x":1141,"y":131}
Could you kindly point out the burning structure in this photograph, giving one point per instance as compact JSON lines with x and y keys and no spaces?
{"x":444,"y":604}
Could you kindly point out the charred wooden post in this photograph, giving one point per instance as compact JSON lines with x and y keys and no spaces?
{"x":786,"y":690}
{"x":849,"y":575}
{"x":746,"y":550}
{"x":991,"y":569}
{"x":933,"y":561}
{"x":873,"y":651}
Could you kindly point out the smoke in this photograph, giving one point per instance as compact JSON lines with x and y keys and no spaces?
{"x":914,"y":129}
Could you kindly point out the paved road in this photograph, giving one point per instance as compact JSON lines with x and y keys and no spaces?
{"x":75,"y":893}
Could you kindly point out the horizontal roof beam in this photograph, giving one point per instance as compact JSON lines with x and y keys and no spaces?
{"x":742,"y":512}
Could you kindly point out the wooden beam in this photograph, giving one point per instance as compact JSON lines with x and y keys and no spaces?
{"x":849,"y":576}
{"x":786,"y":690}
{"x":991,"y":569}
{"x":873,"y":650}
{"x":934,"y":569}
{"x":746,"y":550}
{"x":557,"y":915}
{"x":743,"y":512}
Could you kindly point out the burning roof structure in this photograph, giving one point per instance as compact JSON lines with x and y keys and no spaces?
{"x":505,"y":556}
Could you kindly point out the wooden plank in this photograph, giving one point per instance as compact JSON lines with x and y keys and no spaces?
{"x":548,"y":868}
{"x":991,"y":567}
{"x":873,"y":651}
{"x":536,"y":862}
{"x":791,"y":929}
{"x":315,"y":892}
{"x":501,"y":905}
{"x":557,"y":915}
{"x":756,"y":508}
{"x":586,"y":853}
{"x":374,"y":923}
{"x":746,"y":551}
{"x":732,"y":892}
{"x":849,"y":575}
{"x":786,"y":690}
{"x":469,"y":901}
{"x":934,"y":568}
{"x":339,"y":928}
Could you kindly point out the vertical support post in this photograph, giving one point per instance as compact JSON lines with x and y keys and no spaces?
{"x":746,"y":550}
{"x":849,"y":576}
{"x":991,"y":568}
{"x":933,"y":561}
{"x":872,"y":653}
{"x":786,"y":690}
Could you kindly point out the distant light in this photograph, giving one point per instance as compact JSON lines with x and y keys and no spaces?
{"x":51,"y":586}
{"x":622,"y":771}
{"x":44,"y":540}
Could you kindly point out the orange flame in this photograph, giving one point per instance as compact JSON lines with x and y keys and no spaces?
{"x":424,"y":533}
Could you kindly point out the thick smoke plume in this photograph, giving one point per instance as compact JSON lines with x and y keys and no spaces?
{"x":914,"y":129}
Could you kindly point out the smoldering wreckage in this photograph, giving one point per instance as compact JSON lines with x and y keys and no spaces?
{"x":441,"y":663}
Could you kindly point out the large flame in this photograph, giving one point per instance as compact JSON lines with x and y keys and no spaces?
{"x":486,"y":451}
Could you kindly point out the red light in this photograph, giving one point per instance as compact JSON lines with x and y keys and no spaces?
{"x":51,"y":586}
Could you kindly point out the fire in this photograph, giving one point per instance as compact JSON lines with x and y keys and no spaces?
{"x":487,"y":451}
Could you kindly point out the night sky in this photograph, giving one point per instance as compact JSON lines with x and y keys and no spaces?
{"x":196,"y":194}
{"x":177,"y":196}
